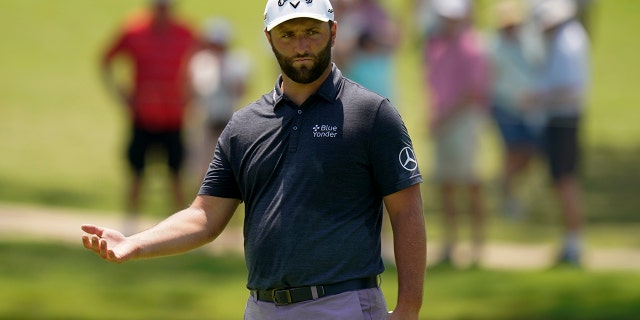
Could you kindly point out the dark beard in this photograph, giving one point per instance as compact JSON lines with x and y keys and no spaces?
{"x":305,"y":75}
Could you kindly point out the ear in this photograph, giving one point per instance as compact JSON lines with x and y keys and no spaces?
{"x":334,"y":30}
{"x":268,"y":35}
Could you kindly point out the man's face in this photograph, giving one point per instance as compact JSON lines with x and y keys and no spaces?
{"x":303,"y":48}
{"x":162,"y":11}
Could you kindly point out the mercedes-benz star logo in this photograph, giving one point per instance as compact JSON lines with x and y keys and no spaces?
{"x":408,"y":159}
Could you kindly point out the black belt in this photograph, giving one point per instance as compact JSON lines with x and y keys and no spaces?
{"x":282,"y":297}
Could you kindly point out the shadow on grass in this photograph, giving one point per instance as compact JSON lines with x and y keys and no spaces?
{"x":537,"y":294}
{"x":612,"y":184}
{"x":610,"y":181}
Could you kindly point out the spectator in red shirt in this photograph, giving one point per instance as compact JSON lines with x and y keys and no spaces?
{"x":157,"y":46}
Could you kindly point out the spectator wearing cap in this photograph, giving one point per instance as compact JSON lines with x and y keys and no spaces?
{"x":457,"y":74}
{"x":512,"y":70}
{"x":561,"y":91}
{"x":219,"y":78}
{"x":366,"y":46}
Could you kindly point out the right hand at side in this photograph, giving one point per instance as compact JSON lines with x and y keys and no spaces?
{"x":109,"y":244}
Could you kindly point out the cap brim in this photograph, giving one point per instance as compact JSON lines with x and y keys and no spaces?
{"x":280,"y":20}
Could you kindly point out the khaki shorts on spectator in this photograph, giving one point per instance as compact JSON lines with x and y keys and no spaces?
{"x":456,"y":147}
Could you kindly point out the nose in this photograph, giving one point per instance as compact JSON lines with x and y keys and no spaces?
{"x":301,"y":44}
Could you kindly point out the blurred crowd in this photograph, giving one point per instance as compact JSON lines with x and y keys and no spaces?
{"x":528,"y":72}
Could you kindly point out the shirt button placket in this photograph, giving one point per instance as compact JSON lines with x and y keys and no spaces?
{"x":295,"y":132}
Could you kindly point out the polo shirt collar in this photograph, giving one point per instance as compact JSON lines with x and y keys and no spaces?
{"x":327,"y":91}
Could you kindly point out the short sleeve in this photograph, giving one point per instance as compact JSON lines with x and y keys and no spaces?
{"x":394,"y":162}
{"x":219,"y":180}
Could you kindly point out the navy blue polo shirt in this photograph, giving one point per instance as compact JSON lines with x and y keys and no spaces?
{"x":312,"y":178}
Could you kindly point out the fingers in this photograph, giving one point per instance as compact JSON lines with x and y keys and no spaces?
{"x":112,"y":256}
{"x":86,"y":241}
{"x":96,"y":240}
{"x":102,"y":245}
{"x":91,"y":229}
{"x":91,"y":242}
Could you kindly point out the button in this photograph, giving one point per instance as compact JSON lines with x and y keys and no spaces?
{"x":295,"y":128}
{"x":299,"y":111}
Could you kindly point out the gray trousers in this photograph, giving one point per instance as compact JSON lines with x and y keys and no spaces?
{"x":367,"y":304}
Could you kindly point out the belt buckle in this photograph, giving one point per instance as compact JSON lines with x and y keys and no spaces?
{"x":281,"y":297}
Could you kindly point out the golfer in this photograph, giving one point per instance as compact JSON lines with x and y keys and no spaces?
{"x":314,"y":161}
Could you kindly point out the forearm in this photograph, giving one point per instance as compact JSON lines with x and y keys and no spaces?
{"x":202,"y":222}
{"x":117,"y":91}
{"x":561,"y":96}
{"x":409,"y":241}
{"x":410,"y":255}
{"x":181,"y":232}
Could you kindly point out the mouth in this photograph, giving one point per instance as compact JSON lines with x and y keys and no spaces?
{"x":303,"y":59}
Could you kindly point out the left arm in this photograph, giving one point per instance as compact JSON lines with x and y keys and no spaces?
{"x":410,"y":244}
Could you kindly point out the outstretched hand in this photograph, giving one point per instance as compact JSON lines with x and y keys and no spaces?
{"x":109,"y":244}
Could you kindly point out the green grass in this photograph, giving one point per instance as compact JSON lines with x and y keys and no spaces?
{"x":41,"y":281}
{"x":47,"y":281}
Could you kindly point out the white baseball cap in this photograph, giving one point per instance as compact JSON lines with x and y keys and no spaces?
{"x":453,"y":9}
{"x":218,"y":31}
{"x":279,"y":11}
{"x":551,"y":13}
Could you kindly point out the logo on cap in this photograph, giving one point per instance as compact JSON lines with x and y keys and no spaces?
{"x":295,"y":6}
